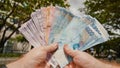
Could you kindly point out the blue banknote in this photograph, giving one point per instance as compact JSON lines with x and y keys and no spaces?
{"x":62,"y":19}
{"x":96,"y":26}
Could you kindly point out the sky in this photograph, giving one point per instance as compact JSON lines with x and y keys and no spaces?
{"x":75,"y":5}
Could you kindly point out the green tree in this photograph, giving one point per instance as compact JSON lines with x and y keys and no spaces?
{"x":108,"y":13}
{"x":13,"y":13}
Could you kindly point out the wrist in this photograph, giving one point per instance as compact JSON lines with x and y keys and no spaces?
{"x":98,"y":64}
{"x":103,"y":65}
{"x":20,"y":63}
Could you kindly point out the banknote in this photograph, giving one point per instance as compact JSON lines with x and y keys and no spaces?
{"x":61,"y":20}
{"x":42,"y":18}
{"x":34,"y":31}
{"x":95,"y":25}
{"x":28,"y":34}
{"x":39,"y":18}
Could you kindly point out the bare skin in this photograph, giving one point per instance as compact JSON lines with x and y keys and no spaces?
{"x":36,"y":58}
{"x":84,"y":60}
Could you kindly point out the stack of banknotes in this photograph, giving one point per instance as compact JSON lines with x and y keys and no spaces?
{"x":56,"y":24}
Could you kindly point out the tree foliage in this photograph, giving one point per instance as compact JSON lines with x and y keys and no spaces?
{"x":106,"y":11}
{"x":15,"y":12}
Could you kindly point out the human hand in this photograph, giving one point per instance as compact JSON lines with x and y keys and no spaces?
{"x":83,"y":60}
{"x":36,"y":58}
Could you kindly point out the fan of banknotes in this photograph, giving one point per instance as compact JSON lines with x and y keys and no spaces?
{"x":56,"y":24}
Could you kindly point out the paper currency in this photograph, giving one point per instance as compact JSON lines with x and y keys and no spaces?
{"x":60,"y":21}
{"x":77,"y":35}
{"x":29,"y":35}
{"x":38,"y":18}
{"x":56,"y":24}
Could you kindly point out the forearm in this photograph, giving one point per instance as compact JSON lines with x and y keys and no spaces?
{"x":23,"y":62}
{"x":110,"y":65}
{"x":114,"y":66}
{"x":17,"y":64}
{"x":101,"y":64}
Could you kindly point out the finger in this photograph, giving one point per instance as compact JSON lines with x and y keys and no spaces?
{"x":51,"y":47}
{"x":70,"y":65}
{"x":66,"y":67}
{"x":69,"y":51}
{"x":47,"y":65}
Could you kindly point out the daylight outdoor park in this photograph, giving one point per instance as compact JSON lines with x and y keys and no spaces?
{"x":13,"y":13}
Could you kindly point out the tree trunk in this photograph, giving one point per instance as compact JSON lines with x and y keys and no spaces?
{"x":2,"y":46}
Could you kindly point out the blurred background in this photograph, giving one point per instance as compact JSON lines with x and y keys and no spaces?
{"x":13,"y":13}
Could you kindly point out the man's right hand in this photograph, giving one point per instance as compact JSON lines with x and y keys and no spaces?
{"x":83,"y":60}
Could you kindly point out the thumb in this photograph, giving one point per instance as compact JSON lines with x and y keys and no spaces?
{"x":69,"y":51}
{"x":51,"y":47}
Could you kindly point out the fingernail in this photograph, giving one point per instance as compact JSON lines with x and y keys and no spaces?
{"x":66,"y":45}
